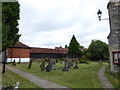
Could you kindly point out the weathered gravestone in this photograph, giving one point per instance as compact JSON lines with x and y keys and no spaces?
{"x":14,"y":64}
{"x":54,"y":67}
{"x":101,"y":62}
{"x":49,"y":67}
{"x":42,"y":66}
{"x":56,"y":60}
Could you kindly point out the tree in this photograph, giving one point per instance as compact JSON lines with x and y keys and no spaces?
{"x":10,"y":17}
{"x":81,"y":46}
{"x":66,"y":46}
{"x":98,"y":50}
{"x":74,"y":48}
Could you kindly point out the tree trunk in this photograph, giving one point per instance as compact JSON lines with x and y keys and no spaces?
{"x":19,"y":60}
{"x":4,"y":62}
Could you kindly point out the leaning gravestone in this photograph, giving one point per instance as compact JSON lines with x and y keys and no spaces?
{"x":14,"y":64}
{"x":49,"y":67}
{"x":42,"y":66}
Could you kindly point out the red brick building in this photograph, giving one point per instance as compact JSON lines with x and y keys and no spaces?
{"x":19,"y":51}
{"x":22,"y":52}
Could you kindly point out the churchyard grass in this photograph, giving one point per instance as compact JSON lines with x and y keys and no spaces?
{"x":111,"y":78}
{"x":0,"y":78}
{"x":10,"y":78}
{"x":84,"y":77}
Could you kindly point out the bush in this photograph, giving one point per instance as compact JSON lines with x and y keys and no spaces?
{"x":46,"y":59}
{"x":83,"y":59}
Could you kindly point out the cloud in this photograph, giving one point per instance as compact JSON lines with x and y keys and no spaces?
{"x":50,"y":23}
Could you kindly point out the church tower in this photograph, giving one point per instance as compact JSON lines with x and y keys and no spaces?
{"x":114,"y":35}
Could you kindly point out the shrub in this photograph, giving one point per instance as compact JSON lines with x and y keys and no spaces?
{"x":83,"y":59}
{"x":47,"y":59}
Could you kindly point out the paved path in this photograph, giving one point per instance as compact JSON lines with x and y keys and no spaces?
{"x":38,"y":81}
{"x":104,"y":81}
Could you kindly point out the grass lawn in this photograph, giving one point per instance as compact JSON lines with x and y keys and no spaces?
{"x":0,"y":79}
{"x":112,"y":79}
{"x":10,"y":78}
{"x":84,"y":77}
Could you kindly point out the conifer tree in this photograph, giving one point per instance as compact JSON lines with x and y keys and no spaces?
{"x":74,"y":48}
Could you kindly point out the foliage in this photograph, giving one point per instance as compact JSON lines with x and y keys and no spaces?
{"x":81,"y":46}
{"x":10,"y":17}
{"x":46,"y":59}
{"x":98,"y":50}
{"x":74,"y":48}
{"x":83,"y":59}
{"x":66,"y":46}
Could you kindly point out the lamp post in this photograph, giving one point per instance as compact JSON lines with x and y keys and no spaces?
{"x":99,"y":13}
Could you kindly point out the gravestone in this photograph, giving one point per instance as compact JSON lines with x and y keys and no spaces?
{"x":14,"y":64}
{"x":56,"y":60}
{"x":54,"y":67}
{"x":101,"y":62}
{"x":42,"y":66}
{"x":49,"y":67}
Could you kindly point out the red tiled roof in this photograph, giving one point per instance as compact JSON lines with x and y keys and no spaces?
{"x":41,"y":50}
{"x":20,"y":45}
{"x":65,"y":50}
{"x":84,"y":49}
{"x":45,"y":50}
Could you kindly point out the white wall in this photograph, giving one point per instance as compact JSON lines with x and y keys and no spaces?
{"x":17,"y":59}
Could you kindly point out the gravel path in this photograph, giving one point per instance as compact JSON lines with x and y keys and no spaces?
{"x":106,"y":84}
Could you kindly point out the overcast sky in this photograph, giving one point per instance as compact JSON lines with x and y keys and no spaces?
{"x":50,"y":23}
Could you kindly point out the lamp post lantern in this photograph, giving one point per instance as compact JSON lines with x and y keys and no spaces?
{"x":99,"y":13}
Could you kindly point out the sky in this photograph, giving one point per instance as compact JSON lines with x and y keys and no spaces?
{"x":52,"y":23}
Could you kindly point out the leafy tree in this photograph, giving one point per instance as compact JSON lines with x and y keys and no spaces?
{"x":10,"y":17}
{"x":98,"y":50}
{"x":74,"y":48}
{"x":81,"y":46}
{"x":66,"y":46}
